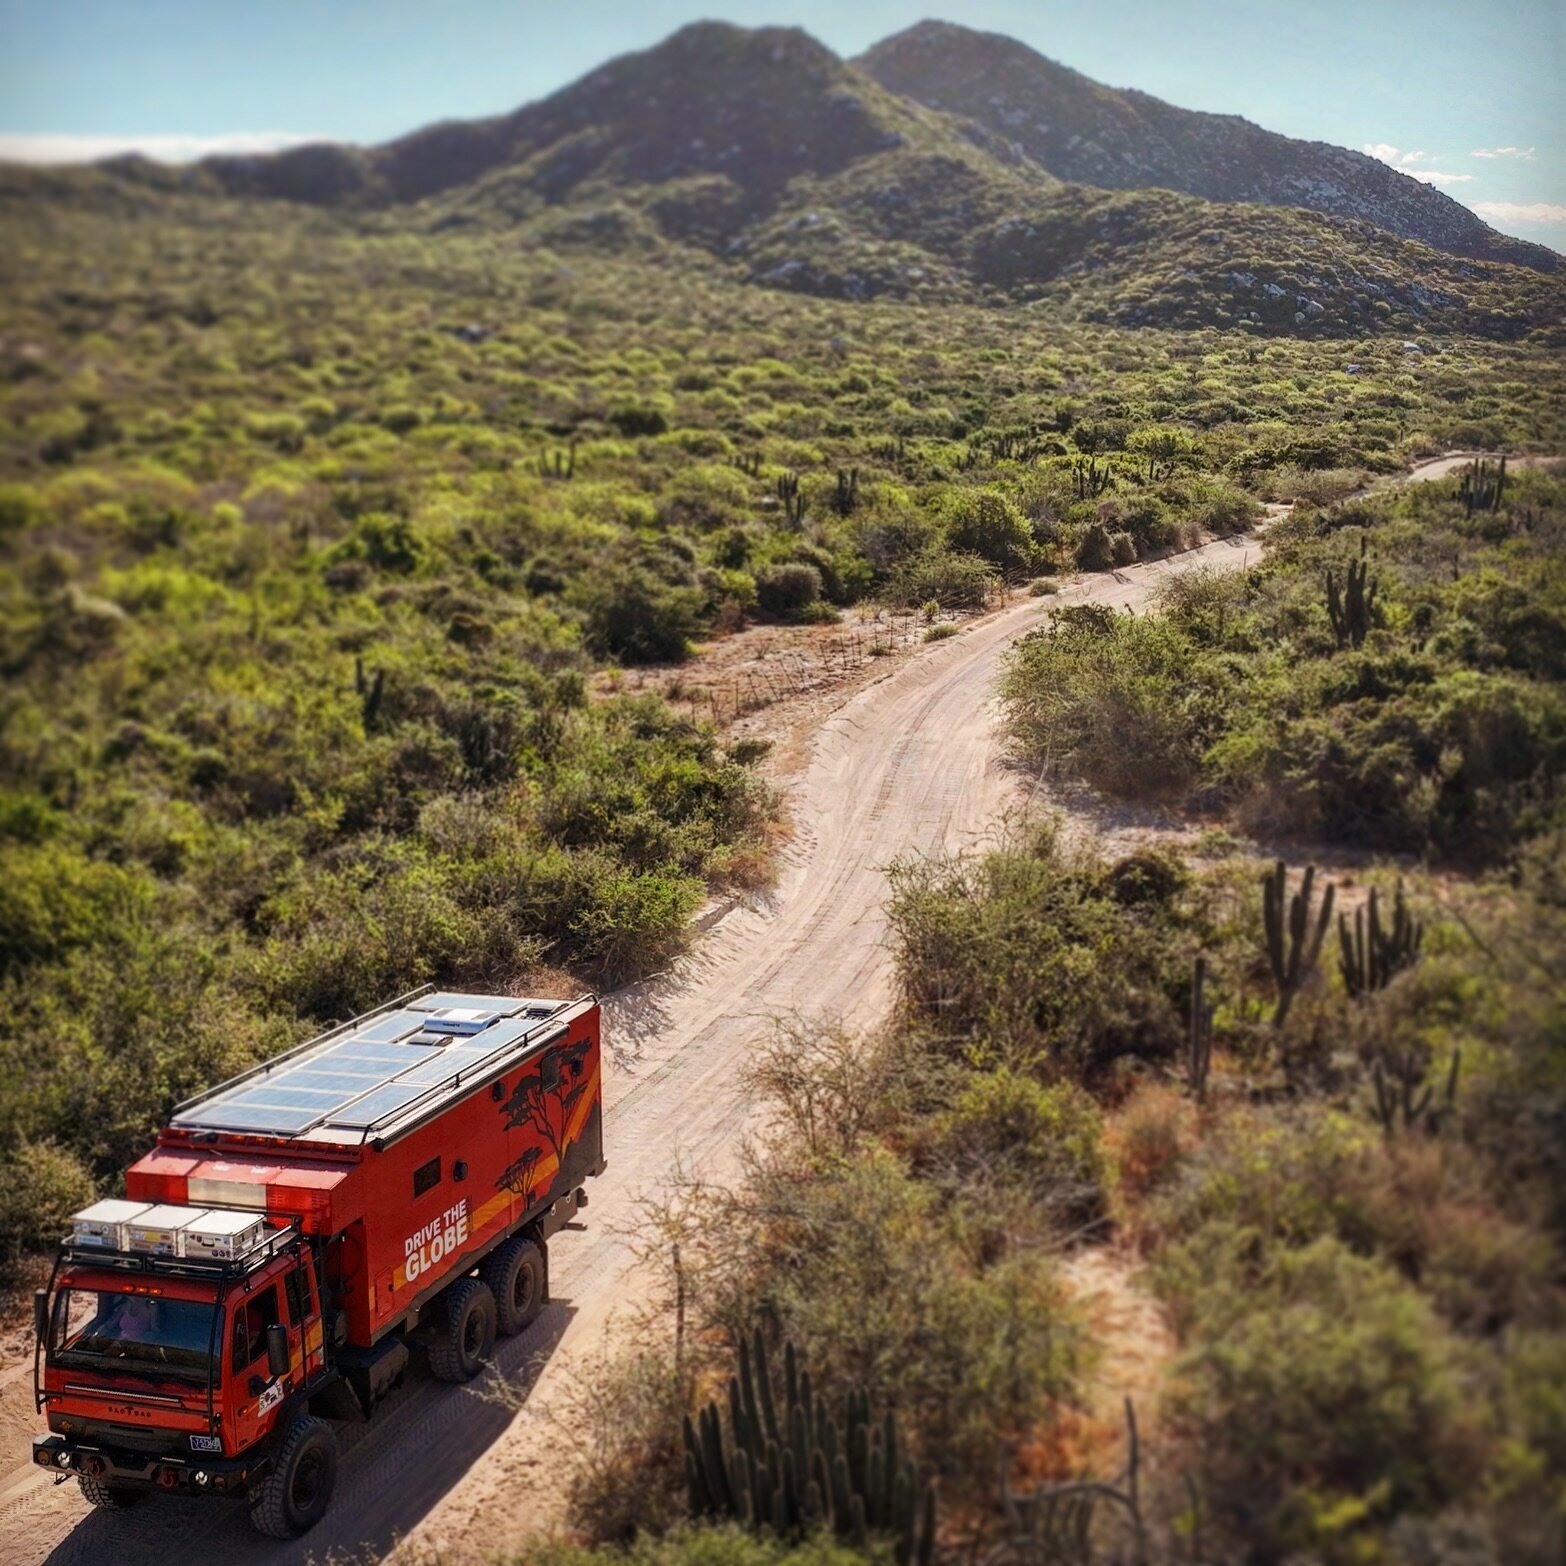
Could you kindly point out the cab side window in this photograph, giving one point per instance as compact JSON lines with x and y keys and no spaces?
{"x":297,"y":1287}
{"x":250,"y":1323}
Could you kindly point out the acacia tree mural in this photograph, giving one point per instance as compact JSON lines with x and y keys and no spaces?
{"x":518,"y":1175}
{"x":542,"y":1101}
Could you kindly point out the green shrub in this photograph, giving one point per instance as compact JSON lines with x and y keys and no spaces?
{"x":993,"y":954}
{"x":1320,"y":1391}
{"x":1012,"y":1130}
{"x":634,"y":617}
{"x":840,"y":1261}
{"x":954,"y":581}
{"x":41,"y":1185}
{"x":984,"y":522}
{"x":786,"y":591}
{"x":705,"y":1546}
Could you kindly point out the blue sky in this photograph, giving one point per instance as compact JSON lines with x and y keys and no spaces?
{"x":1465,"y":94}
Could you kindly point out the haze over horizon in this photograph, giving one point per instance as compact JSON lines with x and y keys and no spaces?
{"x":176,"y":80}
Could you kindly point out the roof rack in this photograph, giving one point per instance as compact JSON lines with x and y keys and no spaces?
{"x":113,"y":1260}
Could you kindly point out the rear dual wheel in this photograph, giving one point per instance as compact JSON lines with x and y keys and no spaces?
{"x":515,"y":1275}
{"x":466,"y":1334}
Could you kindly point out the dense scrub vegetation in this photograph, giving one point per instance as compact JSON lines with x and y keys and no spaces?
{"x":310,"y":537}
{"x":1354,"y":1219}
{"x":1433,"y":724}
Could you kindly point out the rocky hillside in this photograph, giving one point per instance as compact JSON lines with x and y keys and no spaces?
{"x":726,"y":117}
{"x":1095,"y":135}
{"x":761,"y":154}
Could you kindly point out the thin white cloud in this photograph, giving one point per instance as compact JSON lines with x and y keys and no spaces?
{"x":1408,"y":163}
{"x":21,"y":148}
{"x":1504,"y":152}
{"x":1521,"y":211}
{"x":1385,"y":152}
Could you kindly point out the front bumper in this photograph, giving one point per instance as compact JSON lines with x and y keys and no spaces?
{"x":194,"y":1475}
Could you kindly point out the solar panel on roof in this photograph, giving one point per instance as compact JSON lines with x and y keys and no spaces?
{"x":362,"y":1080}
{"x":377,"y":1106}
{"x":247,"y":1118}
{"x":446,"y":1000}
{"x":388,"y":1030}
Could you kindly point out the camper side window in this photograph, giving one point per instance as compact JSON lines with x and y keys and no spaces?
{"x":427,"y":1176}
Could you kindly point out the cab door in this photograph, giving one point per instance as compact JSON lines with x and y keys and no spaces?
{"x":253,"y":1392}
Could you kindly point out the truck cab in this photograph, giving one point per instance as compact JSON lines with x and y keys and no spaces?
{"x":163,"y":1372}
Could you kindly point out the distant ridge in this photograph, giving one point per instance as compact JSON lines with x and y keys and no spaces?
{"x":761,"y":153}
{"x":1082,"y":131}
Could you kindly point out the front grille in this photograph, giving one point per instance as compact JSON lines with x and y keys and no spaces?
{"x":132,"y":1438}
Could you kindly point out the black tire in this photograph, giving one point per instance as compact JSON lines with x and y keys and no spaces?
{"x":465,"y":1337}
{"x":111,"y":1497}
{"x":294,"y":1496}
{"x":516,"y":1277}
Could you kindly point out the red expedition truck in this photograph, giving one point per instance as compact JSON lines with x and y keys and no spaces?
{"x":298,"y":1232}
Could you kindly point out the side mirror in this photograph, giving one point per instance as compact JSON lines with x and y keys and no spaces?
{"x":40,"y":1314}
{"x":277,"y":1349}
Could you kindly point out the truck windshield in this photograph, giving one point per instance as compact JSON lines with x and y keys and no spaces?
{"x":99,"y":1329}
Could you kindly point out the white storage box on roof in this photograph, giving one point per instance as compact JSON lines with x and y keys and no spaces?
{"x":156,"y":1232}
{"x":104,"y":1223}
{"x":222,"y":1235}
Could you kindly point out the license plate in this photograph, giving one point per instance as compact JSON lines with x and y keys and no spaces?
{"x":206,"y":1443}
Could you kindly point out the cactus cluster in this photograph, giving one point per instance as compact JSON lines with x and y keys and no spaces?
{"x":749,"y":463}
{"x":1089,"y":480}
{"x":789,"y":1467}
{"x":1057,"y":1524}
{"x":1293,"y":943}
{"x":1481,"y":486}
{"x":1404,"y":1094}
{"x":1351,"y":603}
{"x":1371,"y":953}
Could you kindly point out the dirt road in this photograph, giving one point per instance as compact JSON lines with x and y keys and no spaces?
{"x":909,"y":763}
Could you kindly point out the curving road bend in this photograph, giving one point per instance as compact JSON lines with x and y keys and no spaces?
{"x":910,"y":763}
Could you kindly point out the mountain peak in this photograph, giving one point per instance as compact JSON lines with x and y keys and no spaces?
{"x":1082,"y":131}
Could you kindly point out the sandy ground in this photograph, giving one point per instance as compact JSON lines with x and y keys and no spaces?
{"x":898,"y":762}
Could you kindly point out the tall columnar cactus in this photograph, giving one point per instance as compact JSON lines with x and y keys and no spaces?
{"x":1199,"y":1034}
{"x":1294,"y":942}
{"x":1351,"y":603}
{"x":558,"y":465}
{"x":847,"y":496}
{"x":371,"y":690}
{"x":789,"y":1467}
{"x":1372,"y":955}
{"x":793,"y":499}
{"x":1482,"y":485}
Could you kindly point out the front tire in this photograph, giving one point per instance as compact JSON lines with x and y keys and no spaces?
{"x":467,"y":1331}
{"x":515,"y":1275}
{"x":110,"y":1497}
{"x":294,"y":1496}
